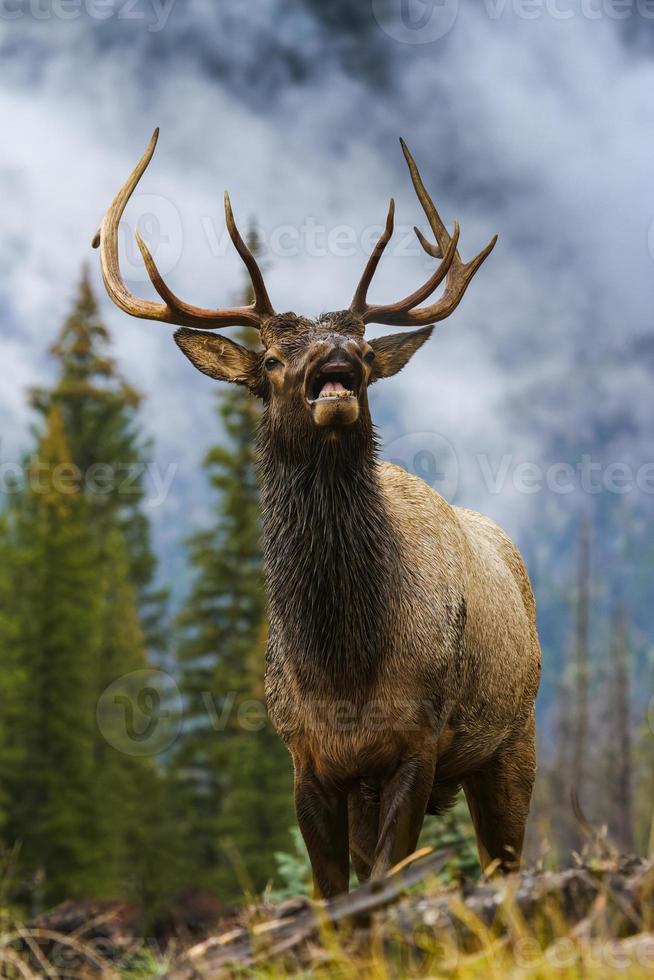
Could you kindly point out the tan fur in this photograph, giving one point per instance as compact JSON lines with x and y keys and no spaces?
{"x":480,"y":676}
{"x":449,"y":555}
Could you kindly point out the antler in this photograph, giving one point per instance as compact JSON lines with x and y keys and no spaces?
{"x":173,"y":310}
{"x":457,"y":273}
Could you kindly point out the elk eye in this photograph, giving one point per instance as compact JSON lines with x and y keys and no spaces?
{"x":271,"y":362}
{"x":369,"y":357}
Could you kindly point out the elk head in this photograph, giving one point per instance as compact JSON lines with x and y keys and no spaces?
{"x":314,"y":371}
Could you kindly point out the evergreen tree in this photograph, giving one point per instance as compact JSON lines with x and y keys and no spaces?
{"x":59,"y":605}
{"x":234,"y":770}
{"x":99,"y":415}
{"x":10,"y":670}
{"x":125,"y":782}
{"x":82,"y":801}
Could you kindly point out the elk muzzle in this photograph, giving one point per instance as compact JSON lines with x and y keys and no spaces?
{"x":333,"y":384}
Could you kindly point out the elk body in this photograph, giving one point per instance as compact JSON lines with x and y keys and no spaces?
{"x":403,"y":659}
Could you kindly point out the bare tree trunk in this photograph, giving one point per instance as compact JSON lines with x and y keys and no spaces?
{"x":622,"y":822}
{"x":564,"y":828}
{"x":580,"y":748}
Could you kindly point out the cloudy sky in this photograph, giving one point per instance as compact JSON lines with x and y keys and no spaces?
{"x":531,"y":119}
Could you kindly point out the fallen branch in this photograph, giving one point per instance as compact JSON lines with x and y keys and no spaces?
{"x":278,"y":936}
{"x":606,"y":901}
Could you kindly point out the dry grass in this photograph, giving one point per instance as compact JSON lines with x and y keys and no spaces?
{"x":592,"y":921}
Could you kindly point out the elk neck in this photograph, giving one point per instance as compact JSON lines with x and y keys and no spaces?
{"x":331,"y":558}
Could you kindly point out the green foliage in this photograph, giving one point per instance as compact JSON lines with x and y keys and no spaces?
{"x":78,"y":611}
{"x":234,"y":773}
{"x":59,"y":604}
{"x":10,"y":666}
{"x":453,"y":831}
{"x":75,"y":614}
{"x":293,"y":870}
{"x":98,"y":410}
{"x":146,"y":965}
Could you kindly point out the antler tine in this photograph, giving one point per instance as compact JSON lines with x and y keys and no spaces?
{"x":262,"y":304}
{"x":456,"y":273}
{"x":173,"y":310}
{"x":406,"y":305}
{"x":432,"y":248}
{"x":428,"y":206}
{"x":460,"y":273}
{"x":359,"y":304}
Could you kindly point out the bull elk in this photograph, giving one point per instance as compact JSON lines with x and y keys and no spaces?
{"x":403,"y":660}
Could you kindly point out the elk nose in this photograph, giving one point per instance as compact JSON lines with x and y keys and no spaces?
{"x":338,"y":358}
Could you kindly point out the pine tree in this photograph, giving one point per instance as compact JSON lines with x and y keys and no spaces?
{"x":124,"y":781}
{"x":99,"y":415}
{"x":621,"y":749}
{"x":10,"y":668}
{"x":59,"y":605}
{"x":82,"y":592}
{"x":232,"y":765}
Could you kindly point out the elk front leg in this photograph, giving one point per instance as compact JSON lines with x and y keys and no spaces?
{"x":498,"y":797}
{"x":363,"y":817}
{"x":321,"y":811}
{"x":403,"y":802}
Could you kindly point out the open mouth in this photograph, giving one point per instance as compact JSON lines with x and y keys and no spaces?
{"x":332,"y":384}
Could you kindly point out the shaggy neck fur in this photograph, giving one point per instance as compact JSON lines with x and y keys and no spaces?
{"x":330,"y":556}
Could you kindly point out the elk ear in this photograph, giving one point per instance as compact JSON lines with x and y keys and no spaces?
{"x":220,"y":358}
{"x":394,"y":351}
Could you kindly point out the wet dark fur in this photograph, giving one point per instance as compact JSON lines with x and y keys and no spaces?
{"x":330,"y":559}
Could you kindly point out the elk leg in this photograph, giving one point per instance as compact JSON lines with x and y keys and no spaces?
{"x":322,"y":817}
{"x":498,"y":797}
{"x":363,"y":811}
{"x":403,"y":803}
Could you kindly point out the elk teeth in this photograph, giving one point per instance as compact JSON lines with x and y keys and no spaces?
{"x":336,"y":394}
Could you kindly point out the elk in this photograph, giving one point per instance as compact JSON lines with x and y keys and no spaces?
{"x":403,"y":660}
